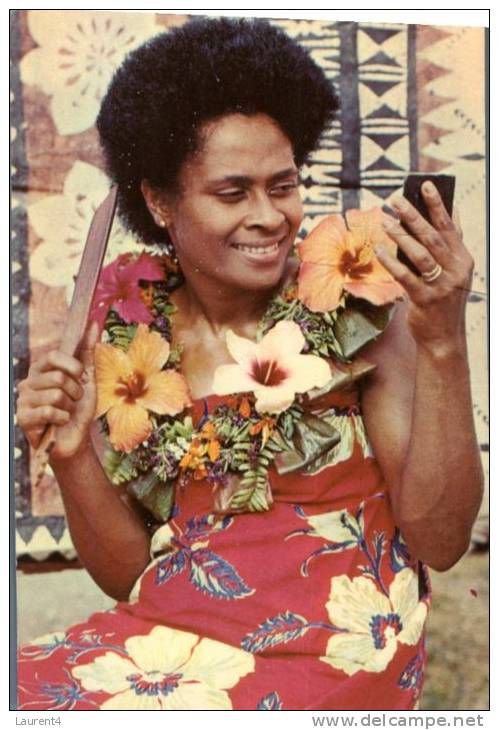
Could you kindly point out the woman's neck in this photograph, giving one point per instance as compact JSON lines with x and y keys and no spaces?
{"x":221,"y":307}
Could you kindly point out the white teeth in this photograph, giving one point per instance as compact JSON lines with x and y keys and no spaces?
{"x":258,"y":249}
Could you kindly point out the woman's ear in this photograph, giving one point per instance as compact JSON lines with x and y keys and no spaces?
{"x":155,"y":201}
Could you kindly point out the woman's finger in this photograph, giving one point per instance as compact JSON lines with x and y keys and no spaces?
{"x":423,"y":231}
{"x":53,"y":379}
{"x":51,"y":397}
{"x":440,"y":218}
{"x":424,"y":260}
{"x":57,"y":360}
{"x":456,"y":219}
{"x":32,"y":418}
{"x":417,"y":289}
{"x":87,"y":350}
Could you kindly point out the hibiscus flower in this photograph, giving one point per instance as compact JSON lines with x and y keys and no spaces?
{"x":337,"y":259}
{"x":339,"y":526}
{"x":373,"y":624}
{"x":132,"y":383}
{"x":272,"y":369}
{"x":167,"y":669}
{"x":118,"y":287}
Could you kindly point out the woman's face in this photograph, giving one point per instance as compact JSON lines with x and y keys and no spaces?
{"x":238,"y":211}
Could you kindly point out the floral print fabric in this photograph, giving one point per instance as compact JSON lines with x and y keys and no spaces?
{"x":315,"y":604}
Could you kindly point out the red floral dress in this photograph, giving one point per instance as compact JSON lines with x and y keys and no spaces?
{"x":315,"y":604}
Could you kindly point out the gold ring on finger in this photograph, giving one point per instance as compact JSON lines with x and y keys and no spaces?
{"x":432,"y":275}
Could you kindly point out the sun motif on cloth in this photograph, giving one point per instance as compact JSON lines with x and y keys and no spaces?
{"x":132,"y":383}
{"x":373,"y":624}
{"x":273,"y":368}
{"x":167,"y":669}
{"x":76,"y":57}
{"x":336,"y":259}
{"x":62,"y":222}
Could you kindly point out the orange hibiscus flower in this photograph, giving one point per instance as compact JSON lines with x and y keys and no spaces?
{"x":337,"y":259}
{"x":131,"y":384}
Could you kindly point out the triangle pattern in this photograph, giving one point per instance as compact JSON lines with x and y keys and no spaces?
{"x":380,"y":87}
{"x":395,"y":99}
{"x":427,"y":35}
{"x":428,"y":101}
{"x":444,"y":116}
{"x":385,"y":140}
{"x":431,"y":164}
{"x":381,"y":59}
{"x":429,"y":134}
{"x":370,"y":152}
{"x":428,"y":71}
{"x":377,"y":194}
{"x":383,"y":163}
{"x":394,"y":48}
{"x":384,"y":112}
{"x":380,"y":35}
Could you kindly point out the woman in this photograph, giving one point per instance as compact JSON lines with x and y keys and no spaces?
{"x":289,"y":573}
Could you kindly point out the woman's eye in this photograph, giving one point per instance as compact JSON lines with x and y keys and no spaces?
{"x":230,"y":194}
{"x":283,"y":188}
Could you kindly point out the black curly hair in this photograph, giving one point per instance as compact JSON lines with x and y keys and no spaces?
{"x":168,"y":88}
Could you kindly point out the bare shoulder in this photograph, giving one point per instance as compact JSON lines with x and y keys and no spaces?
{"x":395,"y":350}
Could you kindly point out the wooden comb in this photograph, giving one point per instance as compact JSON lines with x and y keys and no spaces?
{"x":79,"y":310}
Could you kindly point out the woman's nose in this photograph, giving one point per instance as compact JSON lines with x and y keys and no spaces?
{"x":264,"y":213}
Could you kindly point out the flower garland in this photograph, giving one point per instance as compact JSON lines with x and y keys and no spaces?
{"x":143,"y":400}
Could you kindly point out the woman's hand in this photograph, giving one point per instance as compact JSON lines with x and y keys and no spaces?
{"x":417,"y":404}
{"x":436,"y":308}
{"x":60,"y":390}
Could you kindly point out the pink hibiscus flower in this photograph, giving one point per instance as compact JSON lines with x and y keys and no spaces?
{"x":118,"y":287}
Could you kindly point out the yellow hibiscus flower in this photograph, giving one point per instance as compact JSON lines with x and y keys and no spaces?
{"x":373,"y":624}
{"x":132,"y":383}
{"x":167,"y":669}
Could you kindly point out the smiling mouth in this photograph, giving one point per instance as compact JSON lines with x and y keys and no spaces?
{"x":258,"y":250}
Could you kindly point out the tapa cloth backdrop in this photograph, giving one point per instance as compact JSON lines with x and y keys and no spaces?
{"x":412,"y":98}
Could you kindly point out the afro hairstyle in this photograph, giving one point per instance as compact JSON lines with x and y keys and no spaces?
{"x":167,"y":89}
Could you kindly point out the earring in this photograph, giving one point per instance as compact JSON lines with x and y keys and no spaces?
{"x":158,"y":219}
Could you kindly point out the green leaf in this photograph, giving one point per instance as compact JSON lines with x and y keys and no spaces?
{"x":359,"y":324}
{"x":155,"y":495}
{"x":313,"y":437}
{"x":119,"y":467}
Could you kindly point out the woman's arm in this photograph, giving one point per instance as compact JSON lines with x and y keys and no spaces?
{"x":417,"y":404}
{"x":109,"y":537}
